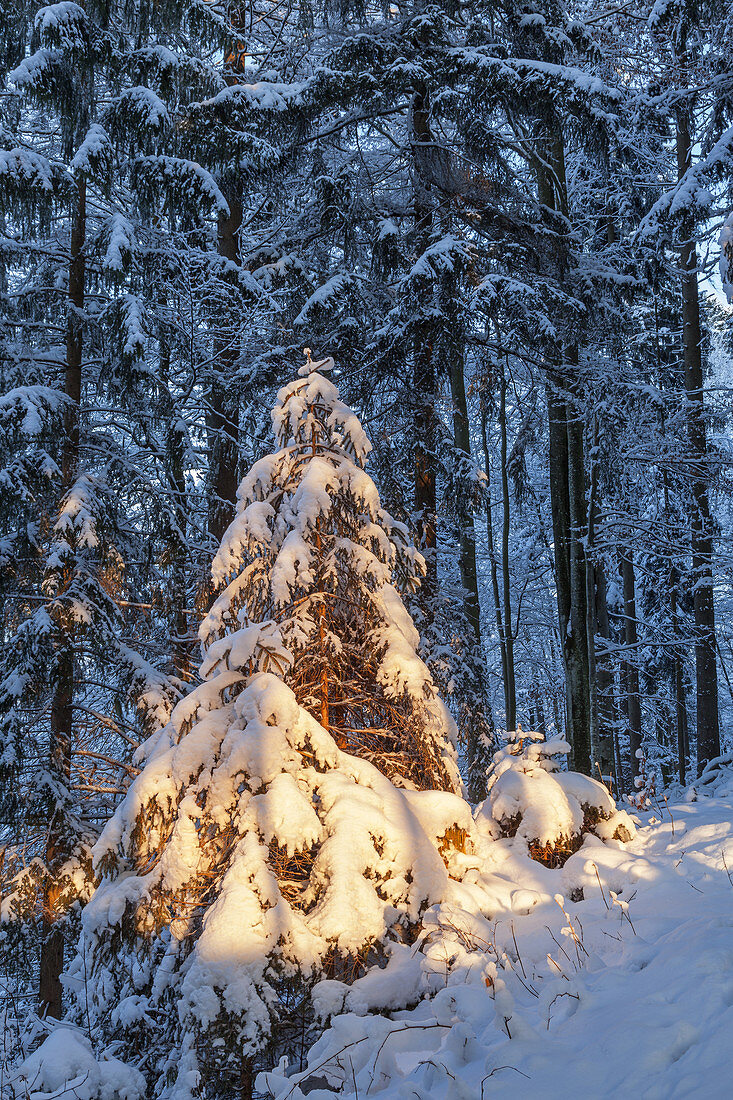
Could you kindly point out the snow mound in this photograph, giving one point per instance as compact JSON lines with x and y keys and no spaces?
{"x":551,"y":810}
{"x":65,"y":1065}
{"x":716,"y":779}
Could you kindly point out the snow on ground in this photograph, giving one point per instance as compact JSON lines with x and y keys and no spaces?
{"x":609,"y":977}
{"x":629,"y":991}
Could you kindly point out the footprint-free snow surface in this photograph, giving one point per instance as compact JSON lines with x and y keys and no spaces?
{"x":627,"y":990}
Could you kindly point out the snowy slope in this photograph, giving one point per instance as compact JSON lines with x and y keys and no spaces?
{"x":641,"y":1004}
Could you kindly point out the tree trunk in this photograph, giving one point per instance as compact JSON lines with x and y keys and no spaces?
{"x":590,"y":607}
{"x":632,"y":667}
{"x":424,"y":380}
{"x":579,"y":685}
{"x":469,"y":572}
{"x":606,"y":719}
{"x":223,"y":420}
{"x":176,"y":457}
{"x":480,"y":723}
{"x":701,"y":526}
{"x":538,"y":712}
{"x":492,"y":559}
{"x":678,"y":685}
{"x":559,"y":499}
{"x":567,"y":495}
{"x":511,"y":691}
{"x":61,"y":723}
{"x":567,"y":491}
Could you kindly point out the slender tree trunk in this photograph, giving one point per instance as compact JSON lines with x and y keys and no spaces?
{"x":701,"y":525}
{"x":511,"y":691}
{"x":61,"y":724}
{"x":538,"y":718}
{"x":175,"y":463}
{"x":246,"y":1079}
{"x":577,"y":656}
{"x":567,"y":495}
{"x":480,"y":719}
{"x":632,"y":667}
{"x":424,"y":380}
{"x":590,"y":606}
{"x":678,"y":659}
{"x":559,"y":498}
{"x":181,"y":641}
{"x":492,"y":559}
{"x":604,"y":680}
{"x":469,"y":572}
{"x":678,"y":684}
{"x":224,"y":409}
{"x":425,"y":476}
{"x":567,"y":490}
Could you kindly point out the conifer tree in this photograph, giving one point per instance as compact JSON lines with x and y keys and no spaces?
{"x":298,"y":795}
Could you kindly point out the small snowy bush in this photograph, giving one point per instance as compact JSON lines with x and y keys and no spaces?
{"x":645,"y":783}
{"x":65,"y":1066}
{"x":551,"y":809}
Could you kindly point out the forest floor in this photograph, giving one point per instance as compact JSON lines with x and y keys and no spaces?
{"x":627,"y":990}
{"x":609,"y":977}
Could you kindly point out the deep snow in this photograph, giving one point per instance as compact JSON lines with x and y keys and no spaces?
{"x":643,"y":1006}
{"x":635,"y":1000}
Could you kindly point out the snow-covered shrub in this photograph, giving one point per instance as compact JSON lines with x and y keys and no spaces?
{"x":645,"y":783}
{"x":288,"y":823}
{"x":532,"y":797}
{"x":716,"y":779}
{"x":65,"y":1066}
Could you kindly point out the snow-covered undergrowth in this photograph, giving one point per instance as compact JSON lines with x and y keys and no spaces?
{"x":66,"y":1066}
{"x":609,"y":976}
{"x":532,"y":795}
{"x":518,"y":990}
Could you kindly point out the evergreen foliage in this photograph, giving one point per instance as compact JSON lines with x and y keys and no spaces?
{"x":266,"y":803}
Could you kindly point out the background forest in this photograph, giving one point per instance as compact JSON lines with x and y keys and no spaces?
{"x":509,"y":223}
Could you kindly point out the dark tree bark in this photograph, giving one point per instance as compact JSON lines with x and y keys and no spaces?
{"x":223,"y":420}
{"x":424,"y":378}
{"x":678,"y":685}
{"x":175,"y":462}
{"x":606,"y":721}
{"x":469,"y":572}
{"x":567,"y":495}
{"x":511,"y":690}
{"x":537,"y":711}
{"x":576,"y":642}
{"x":632,"y":666}
{"x":492,"y":558}
{"x":701,"y":524}
{"x":480,"y":721}
{"x":567,"y":481}
{"x":567,"y":489}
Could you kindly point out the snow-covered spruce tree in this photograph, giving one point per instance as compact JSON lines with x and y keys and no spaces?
{"x":287,"y":823}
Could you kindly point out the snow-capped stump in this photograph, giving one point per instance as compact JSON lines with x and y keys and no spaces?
{"x":294,"y":818}
{"x":532,"y":797}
